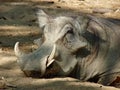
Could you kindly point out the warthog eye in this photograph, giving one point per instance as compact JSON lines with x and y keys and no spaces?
{"x":70,"y":30}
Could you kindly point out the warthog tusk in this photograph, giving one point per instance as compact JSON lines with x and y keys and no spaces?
{"x":50,"y":62}
{"x":17,"y":50}
{"x":51,"y":56}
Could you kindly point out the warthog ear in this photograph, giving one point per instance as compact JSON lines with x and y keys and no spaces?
{"x":43,"y":18}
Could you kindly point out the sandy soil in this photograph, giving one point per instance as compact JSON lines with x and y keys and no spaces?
{"x":18,"y":23}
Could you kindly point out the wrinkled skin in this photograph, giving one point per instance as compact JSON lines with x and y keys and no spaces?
{"x":83,"y":47}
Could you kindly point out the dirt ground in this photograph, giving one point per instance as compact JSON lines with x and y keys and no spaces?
{"x":18,"y":22}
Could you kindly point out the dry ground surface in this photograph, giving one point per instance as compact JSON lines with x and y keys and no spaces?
{"x":18,"y":23}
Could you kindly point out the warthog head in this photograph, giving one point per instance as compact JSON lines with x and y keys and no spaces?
{"x":62,"y":38}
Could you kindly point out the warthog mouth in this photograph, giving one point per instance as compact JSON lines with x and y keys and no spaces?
{"x":51,"y":71}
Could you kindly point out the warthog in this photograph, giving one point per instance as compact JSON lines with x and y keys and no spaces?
{"x":83,"y":47}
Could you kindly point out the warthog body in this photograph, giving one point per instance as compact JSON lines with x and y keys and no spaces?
{"x":83,"y":47}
